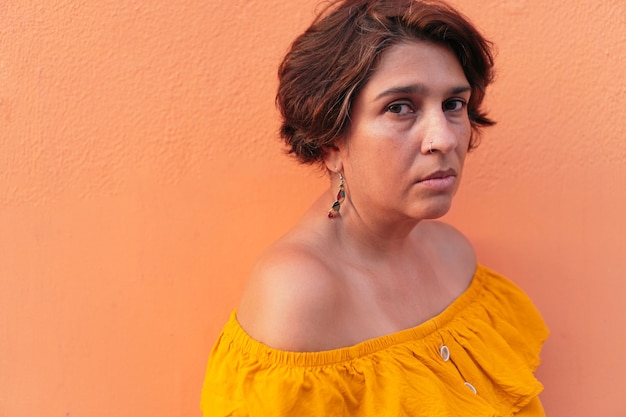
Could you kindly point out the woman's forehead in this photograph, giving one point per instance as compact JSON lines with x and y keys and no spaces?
{"x":419,"y":66}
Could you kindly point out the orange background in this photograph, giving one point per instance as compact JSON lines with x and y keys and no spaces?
{"x":140,"y":176}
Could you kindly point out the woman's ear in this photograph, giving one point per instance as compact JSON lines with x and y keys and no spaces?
{"x":333,"y":158}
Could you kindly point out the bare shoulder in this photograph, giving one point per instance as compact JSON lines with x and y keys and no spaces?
{"x":455,"y":253}
{"x":291,"y":298}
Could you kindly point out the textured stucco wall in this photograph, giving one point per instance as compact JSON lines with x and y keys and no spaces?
{"x":140,"y":175}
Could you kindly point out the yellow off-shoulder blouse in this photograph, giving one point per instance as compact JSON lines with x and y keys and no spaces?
{"x":476,"y":359}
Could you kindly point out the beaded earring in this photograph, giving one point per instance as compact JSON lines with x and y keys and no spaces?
{"x":341,"y":195}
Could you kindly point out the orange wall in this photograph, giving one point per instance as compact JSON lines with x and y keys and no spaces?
{"x":140,"y":175}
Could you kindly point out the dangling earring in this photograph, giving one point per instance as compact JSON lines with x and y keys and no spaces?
{"x":341,"y":195}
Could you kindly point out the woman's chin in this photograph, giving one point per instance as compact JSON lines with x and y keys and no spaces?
{"x":436,"y":211}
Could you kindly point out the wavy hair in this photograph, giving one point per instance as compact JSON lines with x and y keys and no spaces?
{"x":329,"y":63}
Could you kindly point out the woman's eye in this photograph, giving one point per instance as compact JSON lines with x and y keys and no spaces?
{"x":399,"y":108}
{"x":453,"y":105}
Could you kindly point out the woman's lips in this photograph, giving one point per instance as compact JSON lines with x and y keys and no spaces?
{"x":439,"y":181}
{"x":439,"y":184}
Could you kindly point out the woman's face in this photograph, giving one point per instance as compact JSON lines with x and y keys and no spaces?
{"x":415,"y":101}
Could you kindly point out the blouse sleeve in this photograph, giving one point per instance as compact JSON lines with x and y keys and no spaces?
{"x":243,"y":379}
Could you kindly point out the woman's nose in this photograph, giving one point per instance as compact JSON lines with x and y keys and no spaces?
{"x":439,"y":133}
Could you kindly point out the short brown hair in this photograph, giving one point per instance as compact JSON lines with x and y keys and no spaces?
{"x":334,"y":58}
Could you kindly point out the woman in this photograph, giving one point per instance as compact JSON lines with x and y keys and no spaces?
{"x":370,"y":308}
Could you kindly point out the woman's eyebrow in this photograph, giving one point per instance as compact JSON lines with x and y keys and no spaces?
{"x":461,"y":89}
{"x":418,"y":89}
